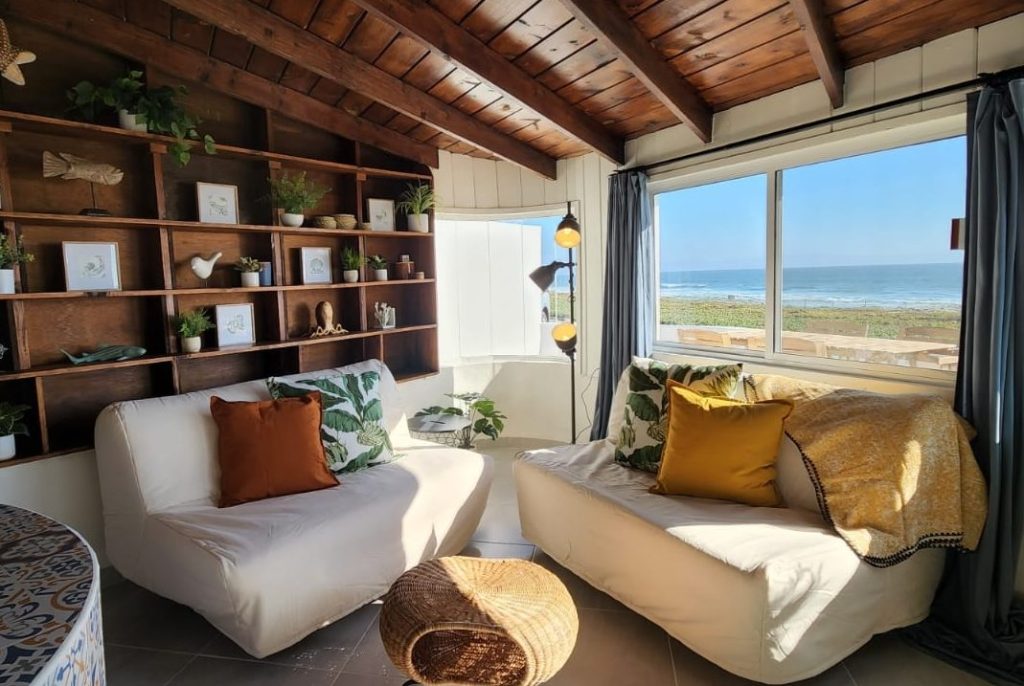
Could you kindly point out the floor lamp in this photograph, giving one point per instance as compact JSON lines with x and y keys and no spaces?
{"x":566,"y":236}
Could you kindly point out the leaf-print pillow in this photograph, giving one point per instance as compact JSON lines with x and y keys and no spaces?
{"x":645,"y":418}
{"x":351,"y":429}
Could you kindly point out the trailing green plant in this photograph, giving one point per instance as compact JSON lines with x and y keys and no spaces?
{"x":247,"y":265}
{"x":294,"y":194}
{"x":11,"y":416}
{"x":377,"y":262}
{"x":351,"y":259}
{"x":158,"y":108}
{"x":417,"y":199}
{"x":193,"y":323}
{"x":13,"y":253}
{"x":484,"y":418}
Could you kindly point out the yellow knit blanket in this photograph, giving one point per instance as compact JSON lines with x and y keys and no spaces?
{"x":893,"y":473}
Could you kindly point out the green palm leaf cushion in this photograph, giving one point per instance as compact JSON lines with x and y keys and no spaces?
{"x":351,"y":428}
{"x":645,"y":421}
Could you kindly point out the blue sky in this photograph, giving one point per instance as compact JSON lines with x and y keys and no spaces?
{"x":889,"y":207}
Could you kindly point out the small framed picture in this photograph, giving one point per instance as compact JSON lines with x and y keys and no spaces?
{"x":381,"y":213}
{"x":316,"y":265}
{"x":91,"y":266}
{"x":235,"y":325}
{"x":218,"y":203}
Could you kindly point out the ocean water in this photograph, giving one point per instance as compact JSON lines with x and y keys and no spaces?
{"x":926,"y":286}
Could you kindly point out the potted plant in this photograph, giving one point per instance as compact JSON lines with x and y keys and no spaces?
{"x":12,"y":253}
{"x":484,"y":418}
{"x":379,"y":266}
{"x":156,"y":110}
{"x":249,"y":268}
{"x":191,"y":326}
{"x":294,"y":195}
{"x":351,"y":261}
{"x":11,"y":426}
{"x":416,"y":201}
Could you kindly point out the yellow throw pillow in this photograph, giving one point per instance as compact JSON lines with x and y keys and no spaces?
{"x":721,"y":448}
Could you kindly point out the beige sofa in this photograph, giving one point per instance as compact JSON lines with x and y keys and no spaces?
{"x":268,"y":573}
{"x":770,"y":594}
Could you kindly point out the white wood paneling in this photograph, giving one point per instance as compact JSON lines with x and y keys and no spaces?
{"x":533,"y":189}
{"x":485,"y":182}
{"x":443,"y":179}
{"x":1000,"y":45}
{"x":463,"y":186}
{"x":897,"y":76}
{"x":510,"y":187}
{"x":948,"y":60}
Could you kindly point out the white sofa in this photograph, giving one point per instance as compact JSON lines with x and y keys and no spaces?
{"x":268,"y":573}
{"x":770,"y":594}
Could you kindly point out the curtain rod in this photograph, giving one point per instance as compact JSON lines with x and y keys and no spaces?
{"x":972,"y":84}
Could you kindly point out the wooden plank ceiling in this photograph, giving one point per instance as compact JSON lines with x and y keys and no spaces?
{"x":724,"y":53}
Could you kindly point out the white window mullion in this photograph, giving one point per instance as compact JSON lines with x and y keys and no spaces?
{"x":773,"y":267}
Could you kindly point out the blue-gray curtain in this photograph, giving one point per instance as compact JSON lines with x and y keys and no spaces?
{"x":976,"y":621}
{"x":628,"y":324}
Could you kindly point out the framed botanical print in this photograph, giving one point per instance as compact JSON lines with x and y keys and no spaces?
{"x":381,"y":214}
{"x":91,"y":266}
{"x":316,"y":265}
{"x":218,"y":203}
{"x":235,"y":325}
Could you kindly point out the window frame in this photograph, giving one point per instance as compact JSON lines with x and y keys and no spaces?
{"x":502,"y":214}
{"x":773,"y":162}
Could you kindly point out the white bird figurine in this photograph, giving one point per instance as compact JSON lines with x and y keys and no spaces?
{"x":204,"y":267}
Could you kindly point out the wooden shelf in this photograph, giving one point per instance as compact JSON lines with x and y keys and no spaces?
{"x":155,"y":205}
{"x":47,"y":219}
{"x":20,"y":121}
{"x":159,"y":292}
{"x":69,"y":368}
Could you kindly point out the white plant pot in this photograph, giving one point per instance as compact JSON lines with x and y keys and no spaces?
{"x":7,"y":447}
{"x":350,"y":275}
{"x":250,"y":279}
{"x":192,"y":344}
{"x":130,"y":122}
{"x":292,"y":219}
{"x":380,"y":274}
{"x":6,"y":280}
{"x":420,"y":223}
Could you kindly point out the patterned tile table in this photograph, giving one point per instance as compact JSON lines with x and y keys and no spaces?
{"x":51,"y":632}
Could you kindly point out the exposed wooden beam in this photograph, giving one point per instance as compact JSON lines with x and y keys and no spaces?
{"x":83,"y":23}
{"x":821,"y":43}
{"x":281,"y":37}
{"x":432,"y":27}
{"x":612,"y":26}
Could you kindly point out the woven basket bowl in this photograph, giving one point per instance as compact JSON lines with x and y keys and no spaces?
{"x":464,"y":620}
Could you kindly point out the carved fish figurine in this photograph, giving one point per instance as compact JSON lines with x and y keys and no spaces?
{"x":11,"y":58}
{"x":204,"y":267}
{"x":70,"y":167}
{"x":107,"y":353}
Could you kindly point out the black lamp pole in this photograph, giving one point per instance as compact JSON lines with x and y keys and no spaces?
{"x":571,"y":352}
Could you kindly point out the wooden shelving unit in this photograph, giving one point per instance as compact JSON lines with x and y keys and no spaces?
{"x":156,"y":228}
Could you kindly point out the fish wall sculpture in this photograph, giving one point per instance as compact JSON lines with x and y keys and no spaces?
{"x":107,"y":353}
{"x":70,"y":167}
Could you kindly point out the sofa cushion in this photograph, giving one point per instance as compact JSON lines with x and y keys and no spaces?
{"x":721,"y":448}
{"x":269,"y":448}
{"x":352,"y":431}
{"x":269,"y":572}
{"x":644,"y":420}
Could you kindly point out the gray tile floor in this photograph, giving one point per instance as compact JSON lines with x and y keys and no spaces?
{"x":154,"y":642}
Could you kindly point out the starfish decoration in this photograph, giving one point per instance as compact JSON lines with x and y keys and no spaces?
{"x":11,"y":58}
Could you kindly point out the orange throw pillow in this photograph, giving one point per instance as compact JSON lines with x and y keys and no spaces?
{"x":269,"y":448}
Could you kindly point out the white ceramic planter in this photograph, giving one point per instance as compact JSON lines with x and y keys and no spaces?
{"x":292,"y":219}
{"x":380,"y":274}
{"x":6,"y":280}
{"x":250,"y":279}
{"x":130,"y":122}
{"x":350,"y":275}
{"x":7,"y":447}
{"x":192,"y":344}
{"x":420,"y":223}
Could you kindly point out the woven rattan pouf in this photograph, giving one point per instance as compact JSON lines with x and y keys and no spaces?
{"x":464,"y":620}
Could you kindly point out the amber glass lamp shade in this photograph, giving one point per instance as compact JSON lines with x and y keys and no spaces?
{"x":565,"y":336}
{"x":567,"y":235}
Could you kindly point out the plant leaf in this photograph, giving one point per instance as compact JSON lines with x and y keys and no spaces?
{"x":640,"y":381}
{"x":643,"y":407}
